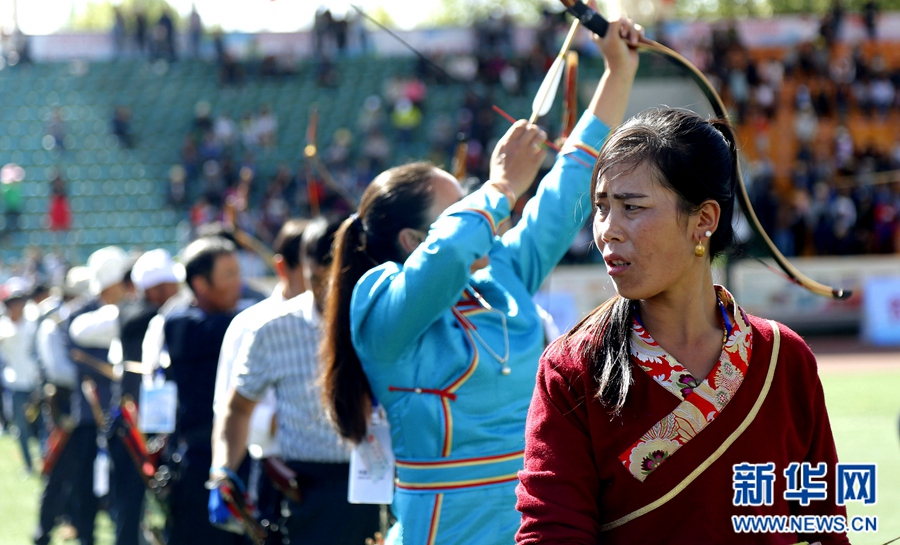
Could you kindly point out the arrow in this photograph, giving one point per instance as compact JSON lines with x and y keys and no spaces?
{"x":543,"y":100}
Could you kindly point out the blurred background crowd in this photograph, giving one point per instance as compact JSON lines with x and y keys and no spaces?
{"x":152,"y":130}
{"x":814,"y":117}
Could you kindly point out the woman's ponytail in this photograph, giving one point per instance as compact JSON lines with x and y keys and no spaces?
{"x":398,"y":198}
{"x":345,"y":389}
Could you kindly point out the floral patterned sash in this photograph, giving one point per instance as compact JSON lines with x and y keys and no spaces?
{"x":701,"y":402}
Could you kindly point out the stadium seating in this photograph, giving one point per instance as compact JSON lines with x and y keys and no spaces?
{"x":118,"y":196}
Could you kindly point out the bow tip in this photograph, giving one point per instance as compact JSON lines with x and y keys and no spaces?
{"x":841,"y":293}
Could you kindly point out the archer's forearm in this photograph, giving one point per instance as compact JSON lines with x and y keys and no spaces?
{"x":229,"y":442}
{"x":610,"y":100}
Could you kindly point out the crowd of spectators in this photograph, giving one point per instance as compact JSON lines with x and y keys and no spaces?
{"x":133,"y":34}
{"x":824,"y":79}
{"x":821,"y":86}
{"x":840,"y":194}
{"x":827,"y":213}
{"x":218,"y":154}
{"x":218,"y":174}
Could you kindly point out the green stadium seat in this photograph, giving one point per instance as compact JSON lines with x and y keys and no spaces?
{"x":128,"y":187}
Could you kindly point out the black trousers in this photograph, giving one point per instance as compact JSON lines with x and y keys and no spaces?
{"x":268,"y":500}
{"x":325,"y":517}
{"x":71,"y":483}
{"x":189,"y":519}
{"x":126,"y":494}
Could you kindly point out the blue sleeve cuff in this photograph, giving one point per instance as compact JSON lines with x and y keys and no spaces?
{"x":590,"y":130}
{"x":586,"y":139}
{"x":489,"y":204}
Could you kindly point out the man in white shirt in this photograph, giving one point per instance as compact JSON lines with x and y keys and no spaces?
{"x":21,"y":374}
{"x":282,"y":352}
{"x":261,"y":439}
{"x":291,"y":283}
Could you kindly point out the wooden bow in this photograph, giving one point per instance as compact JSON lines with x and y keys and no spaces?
{"x":458,"y":167}
{"x":597,"y":24}
{"x":570,"y":98}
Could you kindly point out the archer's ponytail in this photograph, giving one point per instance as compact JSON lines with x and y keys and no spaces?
{"x":398,"y":198}
{"x":345,"y":389}
{"x":724,"y":235}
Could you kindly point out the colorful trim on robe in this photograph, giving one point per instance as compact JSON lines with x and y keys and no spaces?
{"x":435,"y":519}
{"x":701,"y":402}
{"x":459,"y":473}
{"x":587,"y":149}
{"x":466,"y":306}
{"x":495,"y":225}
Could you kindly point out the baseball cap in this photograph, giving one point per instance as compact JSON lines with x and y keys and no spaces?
{"x":154,"y":268}
{"x":78,"y":281}
{"x":108,"y":266}
{"x":15,"y":288}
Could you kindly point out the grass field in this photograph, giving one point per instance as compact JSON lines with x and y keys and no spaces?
{"x":864,"y":407}
{"x":863,"y":403}
{"x":19,"y":497}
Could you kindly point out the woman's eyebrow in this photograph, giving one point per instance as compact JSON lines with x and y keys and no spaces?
{"x":621,"y":196}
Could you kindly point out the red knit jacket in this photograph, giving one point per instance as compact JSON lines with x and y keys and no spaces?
{"x":573,"y":481}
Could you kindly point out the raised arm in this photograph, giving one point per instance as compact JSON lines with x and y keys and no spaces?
{"x":618,"y":47}
{"x":393,"y":304}
{"x":552,"y":219}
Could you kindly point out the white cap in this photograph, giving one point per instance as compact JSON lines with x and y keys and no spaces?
{"x":15,"y":288}
{"x":78,"y":280}
{"x":154,"y":268}
{"x":107,"y":266}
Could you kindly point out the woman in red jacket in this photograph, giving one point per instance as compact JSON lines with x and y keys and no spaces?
{"x":669,"y":411}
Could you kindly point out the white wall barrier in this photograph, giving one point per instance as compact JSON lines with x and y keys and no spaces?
{"x":767,"y":294}
{"x":573,"y":291}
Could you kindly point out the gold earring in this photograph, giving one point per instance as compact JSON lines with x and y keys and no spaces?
{"x":699,"y":250}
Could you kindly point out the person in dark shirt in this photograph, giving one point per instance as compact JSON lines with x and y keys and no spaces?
{"x":193,"y":339}
{"x":156,"y":278}
{"x":85,"y":342}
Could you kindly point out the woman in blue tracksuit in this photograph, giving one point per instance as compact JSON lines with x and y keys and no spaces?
{"x":430,"y":313}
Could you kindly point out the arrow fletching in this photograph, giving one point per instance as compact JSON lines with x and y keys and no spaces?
{"x":543,"y":101}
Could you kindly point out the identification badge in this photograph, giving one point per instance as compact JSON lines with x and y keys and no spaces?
{"x":159,"y":402}
{"x":372,"y":466}
{"x":101,"y":474}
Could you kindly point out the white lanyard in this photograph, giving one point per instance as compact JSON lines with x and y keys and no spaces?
{"x":504,"y":369}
